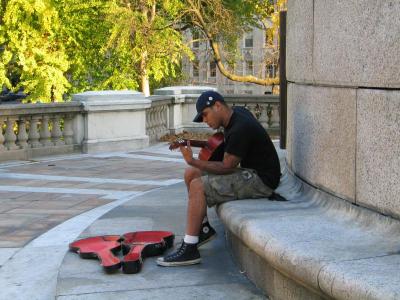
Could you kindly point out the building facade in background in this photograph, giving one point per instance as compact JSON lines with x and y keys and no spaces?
{"x":258,"y":56}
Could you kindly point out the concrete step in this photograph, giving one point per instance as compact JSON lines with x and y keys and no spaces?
{"x":315,"y":246}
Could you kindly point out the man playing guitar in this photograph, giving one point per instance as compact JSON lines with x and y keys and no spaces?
{"x":250,"y":169}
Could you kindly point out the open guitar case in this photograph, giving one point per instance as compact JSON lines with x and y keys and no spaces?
{"x":135,"y":247}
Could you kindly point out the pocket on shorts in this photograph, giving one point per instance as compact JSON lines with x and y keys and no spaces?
{"x":250,"y":186}
{"x":222,"y":188}
{"x":242,"y":186}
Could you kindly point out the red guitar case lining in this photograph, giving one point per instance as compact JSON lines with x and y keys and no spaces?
{"x":135,"y":247}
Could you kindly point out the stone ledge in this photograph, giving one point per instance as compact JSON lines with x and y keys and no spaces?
{"x":315,"y":246}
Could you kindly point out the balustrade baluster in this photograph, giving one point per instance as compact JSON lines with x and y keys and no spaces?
{"x":263,"y":117}
{"x":33,"y":136}
{"x":68,"y":132}
{"x":269,"y":114}
{"x":151,"y":127}
{"x":45,"y":132}
{"x":275,"y":116}
{"x":56,"y":133}
{"x":10,"y":136}
{"x":148,"y":121}
{"x":158,"y":122}
{"x":162,"y":121}
{"x":165,"y":119}
{"x":22,"y":136}
{"x":2,"y":139}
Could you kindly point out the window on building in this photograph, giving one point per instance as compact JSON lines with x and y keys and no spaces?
{"x":248,"y":41}
{"x":195,"y":38}
{"x":271,"y":71}
{"x":269,"y":37}
{"x":249,"y":67}
{"x":213,"y":69}
{"x":248,"y":92}
{"x":195,"y":65}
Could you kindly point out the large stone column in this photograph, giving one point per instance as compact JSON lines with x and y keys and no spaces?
{"x":343,"y":69}
{"x":113,"y":120}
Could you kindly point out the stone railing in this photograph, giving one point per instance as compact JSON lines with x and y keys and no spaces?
{"x":29,"y":129}
{"x":157,"y":118}
{"x":112,"y":121}
{"x":183,"y":107}
{"x":264,"y":108}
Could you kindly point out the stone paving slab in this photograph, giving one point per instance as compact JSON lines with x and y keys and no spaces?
{"x":163,"y":209}
{"x":40,"y":215}
{"x":233,"y":291}
{"x":23,"y":209}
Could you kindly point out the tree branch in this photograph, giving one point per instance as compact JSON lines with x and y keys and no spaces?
{"x":218,"y":58}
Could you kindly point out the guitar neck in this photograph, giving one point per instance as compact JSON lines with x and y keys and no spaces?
{"x":197,"y":143}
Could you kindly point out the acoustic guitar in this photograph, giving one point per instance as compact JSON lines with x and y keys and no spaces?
{"x":212,"y":149}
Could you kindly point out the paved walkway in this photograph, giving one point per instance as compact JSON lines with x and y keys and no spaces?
{"x":47,"y":203}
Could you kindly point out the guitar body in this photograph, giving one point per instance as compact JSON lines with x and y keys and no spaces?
{"x":214,"y":150}
{"x":104,"y":248}
{"x":211,"y":150}
{"x":135,"y":247}
{"x":141,"y":244}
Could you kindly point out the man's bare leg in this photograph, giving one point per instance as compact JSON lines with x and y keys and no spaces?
{"x":188,"y":254}
{"x":190,"y":174}
{"x":197,"y":207}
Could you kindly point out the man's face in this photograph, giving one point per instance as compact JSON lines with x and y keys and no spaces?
{"x":211,"y":116}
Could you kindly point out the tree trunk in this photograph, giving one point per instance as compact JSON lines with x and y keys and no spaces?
{"x":144,"y":77}
{"x":145,"y":86}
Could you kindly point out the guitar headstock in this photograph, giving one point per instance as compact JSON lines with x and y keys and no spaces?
{"x":176,"y":144}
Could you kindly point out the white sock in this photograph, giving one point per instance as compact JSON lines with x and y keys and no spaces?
{"x":205,"y":220}
{"x":191,"y":239}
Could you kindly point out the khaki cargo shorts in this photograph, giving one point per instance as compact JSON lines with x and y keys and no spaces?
{"x":243,"y":184}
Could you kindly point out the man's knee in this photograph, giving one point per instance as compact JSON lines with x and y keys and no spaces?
{"x":196,"y":186}
{"x":191,"y":173}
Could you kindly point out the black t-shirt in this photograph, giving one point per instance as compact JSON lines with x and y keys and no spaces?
{"x":247,"y":139}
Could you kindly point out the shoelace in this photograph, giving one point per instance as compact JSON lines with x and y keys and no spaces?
{"x":181,"y":250}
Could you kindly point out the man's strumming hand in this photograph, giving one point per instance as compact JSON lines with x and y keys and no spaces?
{"x":187,"y":153}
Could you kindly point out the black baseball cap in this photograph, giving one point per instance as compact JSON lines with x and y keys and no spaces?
{"x":206,"y":99}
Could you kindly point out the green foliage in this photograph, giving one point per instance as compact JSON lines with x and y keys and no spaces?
{"x":143,"y":32}
{"x":33,"y":56}
{"x":223,"y":22}
{"x":84,"y":32}
{"x":54,"y":48}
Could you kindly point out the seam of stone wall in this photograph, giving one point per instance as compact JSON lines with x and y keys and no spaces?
{"x":339,"y":86}
{"x":313,"y":42}
{"x":355,"y":152}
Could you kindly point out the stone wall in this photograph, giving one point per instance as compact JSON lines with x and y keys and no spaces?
{"x":343,"y":71}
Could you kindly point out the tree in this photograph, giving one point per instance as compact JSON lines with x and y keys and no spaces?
{"x":84,"y":33}
{"x":32,"y":54}
{"x":146,"y":35}
{"x":222,"y":22}
{"x":54,"y":47}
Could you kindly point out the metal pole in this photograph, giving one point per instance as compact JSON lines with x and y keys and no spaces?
{"x":282,"y":78}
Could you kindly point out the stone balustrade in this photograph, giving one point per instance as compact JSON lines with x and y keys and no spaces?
{"x":264,"y":108}
{"x":30,"y":129}
{"x":157,"y":118}
{"x":112,"y":121}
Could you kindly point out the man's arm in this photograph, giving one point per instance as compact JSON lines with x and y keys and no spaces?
{"x":227,"y":166}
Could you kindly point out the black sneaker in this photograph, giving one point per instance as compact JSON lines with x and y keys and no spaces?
{"x":207,"y":233}
{"x":187,"y":254}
